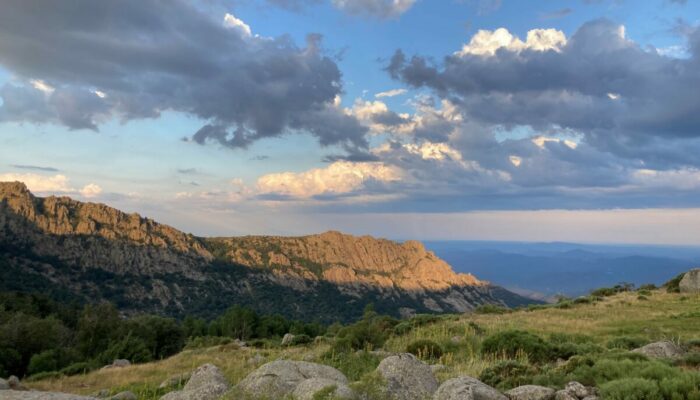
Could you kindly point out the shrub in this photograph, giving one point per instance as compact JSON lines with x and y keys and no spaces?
{"x":78,"y":368}
{"x":367,"y":334}
{"x":353,"y":365}
{"x":300,"y":339}
{"x":206,"y":341}
{"x":626,"y":342}
{"x":43,"y":362}
{"x":491,"y":309}
{"x":647,"y":287}
{"x":604,"y":292}
{"x":508,"y":374}
{"x":44,"y":375}
{"x":403,"y":328}
{"x":690,"y":360}
{"x":644,"y":292}
{"x":642,"y":298}
{"x":425,"y":349}
{"x":476,"y":328}
{"x":511,"y":343}
{"x":631,"y":389}
{"x":673,"y":286}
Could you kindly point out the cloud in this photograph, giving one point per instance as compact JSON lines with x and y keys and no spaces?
{"x":557,"y":14}
{"x":390,"y":93}
{"x":83,"y":63}
{"x":339,"y":178}
{"x":382,"y":9}
{"x":40,"y":183}
{"x":597,"y":83}
{"x":34,"y":168}
{"x":90,"y":191}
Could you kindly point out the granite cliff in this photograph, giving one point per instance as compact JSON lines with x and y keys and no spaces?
{"x":91,"y":251}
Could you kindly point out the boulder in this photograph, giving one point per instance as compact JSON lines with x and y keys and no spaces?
{"x":257,"y":359}
{"x":530,"y":392}
{"x":467,"y":388}
{"x":564,"y":395}
{"x":307,"y":389}
{"x":690,"y":282}
{"x":4,"y":385}
{"x":206,"y":383}
{"x":14,"y":383}
{"x":128,"y":395}
{"x":591,"y":398}
{"x":663,"y":349}
{"x":36,"y":395}
{"x":577,"y":389}
{"x":119,"y":363}
{"x":407,"y":378}
{"x":280,"y":378}
{"x":287,"y":339}
{"x":437,"y":368}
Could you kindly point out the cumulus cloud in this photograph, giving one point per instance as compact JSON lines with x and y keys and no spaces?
{"x":375,"y":8}
{"x":40,"y":183}
{"x":82,"y":63}
{"x":91,"y":190}
{"x":618,"y":95}
{"x":338,"y":178}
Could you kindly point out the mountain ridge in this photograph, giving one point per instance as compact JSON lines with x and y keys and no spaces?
{"x":99,"y":252}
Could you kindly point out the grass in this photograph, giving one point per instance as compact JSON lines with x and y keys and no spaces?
{"x":659,"y":316}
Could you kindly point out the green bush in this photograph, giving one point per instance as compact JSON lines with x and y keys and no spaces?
{"x":511,"y":343}
{"x":367,"y":334}
{"x":631,"y":389}
{"x":478,"y":330}
{"x":45,"y":361}
{"x":626,"y":342}
{"x":78,"y":368}
{"x":425,"y":349}
{"x":44,"y":375}
{"x":354,"y":365}
{"x":403,"y":328}
{"x":508,"y":374}
{"x":206,"y":341}
{"x":642,"y":298}
{"x":491,"y":309}
{"x":673,"y":286}
{"x":690,"y":360}
{"x":647,"y":287}
{"x":300,"y":340}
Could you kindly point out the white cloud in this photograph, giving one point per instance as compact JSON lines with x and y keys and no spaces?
{"x":684,"y":179}
{"x":230,"y":21}
{"x":434,"y":151}
{"x":91,"y":190}
{"x":42,"y":86}
{"x":541,"y":141}
{"x":487,"y":43}
{"x":40,"y":183}
{"x":100,"y":94}
{"x":391,"y":93}
{"x":340,"y":177}
{"x":613,"y":96}
{"x":515,"y":160}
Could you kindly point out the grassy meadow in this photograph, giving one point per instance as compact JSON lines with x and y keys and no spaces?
{"x":593,"y":333}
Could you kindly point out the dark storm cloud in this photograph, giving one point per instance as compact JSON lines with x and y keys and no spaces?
{"x":135,"y":59}
{"x":617,"y":94}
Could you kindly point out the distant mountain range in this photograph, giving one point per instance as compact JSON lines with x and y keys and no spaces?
{"x":92,"y":252}
{"x":542,"y":270}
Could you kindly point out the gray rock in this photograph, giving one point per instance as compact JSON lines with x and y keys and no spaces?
{"x":102,"y":393}
{"x":119,"y":363}
{"x":207,"y":383}
{"x":591,"y":398}
{"x":467,"y":388}
{"x":307,"y":389}
{"x":564,"y":395}
{"x":407,"y":378}
{"x":663,"y":349}
{"x":530,"y":392}
{"x":279,"y":378}
{"x":36,"y":395}
{"x":690,"y":282}
{"x":14,"y":383}
{"x":4,"y":385}
{"x":287,"y":339}
{"x":128,"y":395}
{"x":257,"y":359}
{"x":175,"y":380}
{"x":577,"y":389}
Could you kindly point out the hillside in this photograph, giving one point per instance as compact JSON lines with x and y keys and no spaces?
{"x":86,"y":251}
{"x":586,"y":340}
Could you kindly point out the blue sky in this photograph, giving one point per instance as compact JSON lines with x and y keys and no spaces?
{"x":385,"y":117}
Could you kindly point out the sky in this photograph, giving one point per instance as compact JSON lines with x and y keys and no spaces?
{"x":548,"y":120}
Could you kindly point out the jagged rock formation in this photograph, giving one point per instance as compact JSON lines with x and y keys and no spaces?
{"x":93,"y":251}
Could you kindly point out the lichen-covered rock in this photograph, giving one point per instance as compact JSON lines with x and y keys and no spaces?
{"x":207,"y":383}
{"x":36,"y":395}
{"x":530,"y":392}
{"x":14,"y":383}
{"x":4,"y":385}
{"x":128,"y":395}
{"x":467,"y":388}
{"x":407,"y":378}
{"x":287,"y":339}
{"x":577,"y":389}
{"x":279,"y":378}
{"x":690,"y":282}
{"x":662,"y":349}
{"x":307,"y":389}
{"x":564,"y":395}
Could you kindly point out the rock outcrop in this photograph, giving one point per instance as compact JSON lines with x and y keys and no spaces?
{"x":690,"y":283}
{"x":36,"y":395}
{"x":662,"y":349}
{"x":407,"y":378}
{"x":310,"y":388}
{"x":467,"y":388}
{"x":281,"y":378}
{"x":530,"y":392}
{"x":207,"y":383}
{"x":97,"y":252}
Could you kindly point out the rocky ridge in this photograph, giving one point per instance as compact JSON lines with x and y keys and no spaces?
{"x":96,"y":251}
